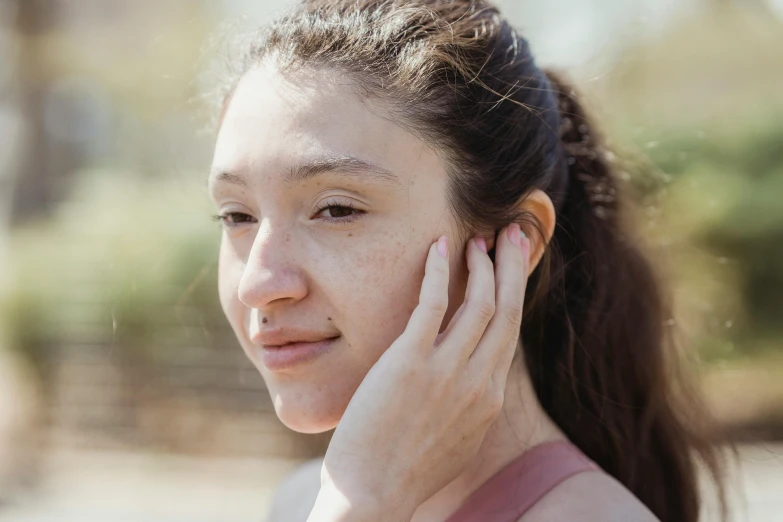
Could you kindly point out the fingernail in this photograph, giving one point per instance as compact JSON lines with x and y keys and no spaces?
{"x":443,"y":247}
{"x":481,"y":243}
{"x":526,"y":246}
{"x":514,"y":233}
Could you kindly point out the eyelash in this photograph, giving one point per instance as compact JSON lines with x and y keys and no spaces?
{"x":224,"y":218}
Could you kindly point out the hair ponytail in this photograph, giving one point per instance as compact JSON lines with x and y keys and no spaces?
{"x":598,"y":348}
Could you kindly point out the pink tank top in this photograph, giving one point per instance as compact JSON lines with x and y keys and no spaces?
{"x":513,"y":490}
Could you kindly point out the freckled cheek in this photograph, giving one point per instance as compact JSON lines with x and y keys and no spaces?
{"x":229,"y":275}
{"x":381,"y":289}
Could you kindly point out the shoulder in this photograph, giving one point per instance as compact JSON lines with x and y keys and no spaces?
{"x":296,"y":494}
{"x":593,"y":496}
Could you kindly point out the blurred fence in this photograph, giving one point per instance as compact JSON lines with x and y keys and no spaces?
{"x":139,"y":369}
{"x":114,"y":302}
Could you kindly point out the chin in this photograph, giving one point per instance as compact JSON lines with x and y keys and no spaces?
{"x":307,"y":418}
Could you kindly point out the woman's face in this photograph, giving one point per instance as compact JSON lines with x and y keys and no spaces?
{"x":288,"y":148}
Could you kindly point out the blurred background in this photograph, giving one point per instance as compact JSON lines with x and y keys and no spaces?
{"x":123,"y":394}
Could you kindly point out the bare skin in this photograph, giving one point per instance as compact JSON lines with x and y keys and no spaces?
{"x":288,"y":262}
{"x":587,"y":496}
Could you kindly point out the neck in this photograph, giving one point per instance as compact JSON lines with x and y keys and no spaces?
{"x":521,"y":425}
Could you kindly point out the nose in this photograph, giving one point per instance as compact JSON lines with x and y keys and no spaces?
{"x":271,"y":274}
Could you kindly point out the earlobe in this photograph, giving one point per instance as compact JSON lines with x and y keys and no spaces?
{"x":540,"y":206}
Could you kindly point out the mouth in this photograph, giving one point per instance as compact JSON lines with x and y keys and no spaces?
{"x":285,"y":356}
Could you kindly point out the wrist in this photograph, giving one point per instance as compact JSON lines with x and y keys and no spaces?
{"x":334,"y":505}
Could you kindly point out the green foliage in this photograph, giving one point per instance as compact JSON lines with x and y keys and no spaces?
{"x":132,"y":262}
{"x":724,"y":199}
{"x":702,"y":114}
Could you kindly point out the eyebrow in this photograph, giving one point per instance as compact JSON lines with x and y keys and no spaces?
{"x":348,"y":166}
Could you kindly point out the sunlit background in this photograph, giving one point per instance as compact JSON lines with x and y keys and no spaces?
{"x":123,"y":394}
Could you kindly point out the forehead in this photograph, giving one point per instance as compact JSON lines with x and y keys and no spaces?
{"x":274,"y":120}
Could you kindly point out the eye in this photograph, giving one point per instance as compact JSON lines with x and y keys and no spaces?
{"x":342,"y":212}
{"x":233,"y":219}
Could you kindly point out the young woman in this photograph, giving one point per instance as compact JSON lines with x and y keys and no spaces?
{"x":396,"y":180}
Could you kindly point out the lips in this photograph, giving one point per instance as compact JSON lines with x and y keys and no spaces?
{"x":292,"y":354}
{"x":299,"y":341}
{"x":285,"y":336}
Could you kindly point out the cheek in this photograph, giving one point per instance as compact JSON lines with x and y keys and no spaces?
{"x":379,"y":292}
{"x":229,"y":275}
{"x":381,"y":289}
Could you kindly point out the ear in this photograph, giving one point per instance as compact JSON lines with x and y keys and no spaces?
{"x":541,"y":207}
{"x":539,"y":204}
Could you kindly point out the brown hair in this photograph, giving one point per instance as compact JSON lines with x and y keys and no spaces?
{"x":458,"y":75}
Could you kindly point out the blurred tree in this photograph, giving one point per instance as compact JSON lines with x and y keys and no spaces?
{"x":44,"y":164}
{"x":704,"y":103}
{"x":9,"y":129}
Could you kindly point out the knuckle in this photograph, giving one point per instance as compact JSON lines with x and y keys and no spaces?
{"x":437,"y":304}
{"x":440,"y":269}
{"x":513,"y":313}
{"x":475,"y":395}
{"x":496,"y":400}
{"x":485,"y":309}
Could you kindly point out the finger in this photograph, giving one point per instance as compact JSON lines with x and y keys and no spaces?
{"x":465,"y":330}
{"x":503,"y":366}
{"x":425,"y":321}
{"x":457,"y":314}
{"x":454,"y":319}
{"x":513,"y":301}
{"x":496,"y":348}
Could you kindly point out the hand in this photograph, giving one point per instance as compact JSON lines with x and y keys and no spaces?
{"x":421,"y":413}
